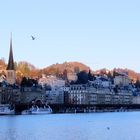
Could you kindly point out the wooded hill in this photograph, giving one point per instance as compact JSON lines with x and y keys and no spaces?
{"x":24,"y":68}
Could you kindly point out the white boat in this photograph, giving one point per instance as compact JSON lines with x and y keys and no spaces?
{"x":41,"y":110}
{"x":6,"y":109}
{"x":26,"y":112}
{"x":35,"y":110}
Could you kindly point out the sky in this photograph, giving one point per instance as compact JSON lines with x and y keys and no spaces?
{"x":98,"y":33}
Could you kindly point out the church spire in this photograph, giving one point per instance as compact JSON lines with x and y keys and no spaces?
{"x":10,"y":65}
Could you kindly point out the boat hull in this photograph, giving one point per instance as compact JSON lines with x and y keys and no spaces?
{"x":7,"y":113}
{"x":6,"y":109}
{"x":37,"y":111}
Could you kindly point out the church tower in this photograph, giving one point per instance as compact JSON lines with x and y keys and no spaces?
{"x":11,"y":75}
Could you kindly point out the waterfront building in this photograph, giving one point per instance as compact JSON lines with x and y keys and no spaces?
{"x":55,"y":96}
{"x":89,"y":95}
{"x":52,"y":81}
{"x":92,"y":96}
{"x":77,"y":94}
{"x":102,"y":81}
{"x":29,"y":94}
{"x":108,"y":98}
{"x":136,"y":99}
{"x":122,"y":80}
{"x":10,"y":95}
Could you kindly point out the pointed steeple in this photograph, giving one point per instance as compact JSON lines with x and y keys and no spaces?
{"x":10,"y":65}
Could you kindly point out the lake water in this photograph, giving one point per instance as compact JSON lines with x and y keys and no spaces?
{"x":92,"y":126}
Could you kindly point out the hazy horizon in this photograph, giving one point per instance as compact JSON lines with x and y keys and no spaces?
{"x":100,"y":34}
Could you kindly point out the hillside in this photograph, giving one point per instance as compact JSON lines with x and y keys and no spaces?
{"x":132,"y":74}
{"x":26,"y":69}
{"x":68,"y":66}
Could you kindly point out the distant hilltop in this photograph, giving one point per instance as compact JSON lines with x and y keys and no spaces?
{"x":24,"y":68}
{"x":131,"y":73}
{"x":71,"y":67}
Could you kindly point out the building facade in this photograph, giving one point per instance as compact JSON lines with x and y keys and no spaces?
{"x":88,"y":95}
{"x":10,"y":95}
{"x":55,"y":96}
{"x":122,"y":80}
{"x":52,"y":81}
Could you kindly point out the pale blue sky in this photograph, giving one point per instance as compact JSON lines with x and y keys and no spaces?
{"x":99,"y":33}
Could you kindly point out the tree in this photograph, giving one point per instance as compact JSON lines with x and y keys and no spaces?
{"x":25,"y":68}
{"x":28,"y":82}
{"x":24,"y":81}
{"x":90,"y":76}
{"x":64,"y":74}
{"x":137,"y":84}
{"x":115,"y":73}
{"x":82,"y":77}
{"x":2,"y":63}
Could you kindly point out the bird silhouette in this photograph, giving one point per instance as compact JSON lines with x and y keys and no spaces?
{"x":108,"y":128}
{"x":33,"y":38}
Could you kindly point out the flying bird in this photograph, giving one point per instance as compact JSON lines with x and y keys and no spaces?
{"x":108,"y":128}
{"x":33,"y":38}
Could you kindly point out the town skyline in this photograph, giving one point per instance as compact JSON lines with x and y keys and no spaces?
{"x":98,"y":34}
{"x":69,"y":69}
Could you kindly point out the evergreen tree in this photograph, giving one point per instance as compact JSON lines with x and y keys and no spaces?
{"x":82,"y":77}
{"x":137,"y":84}
{"x":24,"y":81}
{"x":90,"y":77}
